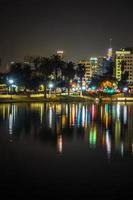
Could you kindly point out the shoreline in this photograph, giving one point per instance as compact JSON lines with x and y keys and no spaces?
{"x":65,"y":99}
{"x":60,"y":99}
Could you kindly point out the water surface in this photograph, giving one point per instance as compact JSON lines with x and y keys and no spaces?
{"x":74,"y":149}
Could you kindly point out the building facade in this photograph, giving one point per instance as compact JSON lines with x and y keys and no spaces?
{"x":60,"y":53}
{"x":88,"y":68}
{"x":124,"y":63}
{"x":91,"y":67}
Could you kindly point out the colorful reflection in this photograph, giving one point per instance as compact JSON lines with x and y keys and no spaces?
{"x":106,"y":126}
{"x":59,"y":144}
{"x":93,"y":136}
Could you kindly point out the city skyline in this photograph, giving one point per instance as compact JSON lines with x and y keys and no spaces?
{"x":82,"y":29}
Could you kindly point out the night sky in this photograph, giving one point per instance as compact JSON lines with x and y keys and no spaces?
{"x":82,"y":29}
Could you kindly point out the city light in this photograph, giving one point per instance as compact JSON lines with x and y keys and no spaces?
{"x":93,"y":88}
{"x":11,"y":81}
{"x":125,"y":89}
{"x":83,"y":88}
{"x":51,"y":85}
{"x":60,"y":52}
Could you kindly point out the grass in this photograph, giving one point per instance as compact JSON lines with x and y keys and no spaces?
{"x":58,"y":98}
{"x":36,"y":98}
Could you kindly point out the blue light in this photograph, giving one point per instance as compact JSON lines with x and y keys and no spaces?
{"x":125,"y":89}
{"x":11,"y":81}
{"x":51,"y":85}
{"x":83,"y":88}
{"x":93,"y":87}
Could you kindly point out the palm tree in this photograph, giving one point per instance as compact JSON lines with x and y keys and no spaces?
{"x":45,"y":70}
{"x":57,"y":64}
{"x":68,"y":72}
{"x":15,"y":73}
{"x":80,"y":72}
{"x":37,"y":62}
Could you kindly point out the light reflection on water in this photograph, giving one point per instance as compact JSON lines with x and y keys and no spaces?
{"x":106,"y":127}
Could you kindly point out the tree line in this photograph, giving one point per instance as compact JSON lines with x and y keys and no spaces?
{"x":44,"y":70}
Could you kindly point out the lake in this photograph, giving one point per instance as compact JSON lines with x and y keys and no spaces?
{"x":65,"y":150}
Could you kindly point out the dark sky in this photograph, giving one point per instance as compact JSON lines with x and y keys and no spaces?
{"x":82,"y":29}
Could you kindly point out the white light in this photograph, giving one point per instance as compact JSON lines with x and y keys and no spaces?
{"x":60,"y":52}
{"x":93,"y":59}
{"x":51,"y":85}
{"x":14,"y":86}
{"x":11,"y":81}
{"x":125,"y":89}
{"x":74,"y":89}
{"x":83,"y":88}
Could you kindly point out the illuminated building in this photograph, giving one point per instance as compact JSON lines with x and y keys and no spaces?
{"x":94,"y":64}
{"x":60,"y":53}
{"x":124,"y":56}
{"x":90,"y":67}
{"x":102,"y":65}
{"x":110,"y":53}
{"x":32,"y":60}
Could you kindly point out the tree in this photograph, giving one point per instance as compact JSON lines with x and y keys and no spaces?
{"x":68,"y":72}
{"x":26,"y":76}
{"x":45,"y":69}
{"x":37,"y":62}
{"x":15,"y":73}
{"x":57,"y":65}
{"x":80,"y":72}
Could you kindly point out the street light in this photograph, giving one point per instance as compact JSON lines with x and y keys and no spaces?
{"x":11,"y":81}
{"x":50,"y":87}
{"x":83,"y":88}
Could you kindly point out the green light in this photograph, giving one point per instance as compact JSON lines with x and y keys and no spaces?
{"x":107,"y":108}
{"x":92,"y":136}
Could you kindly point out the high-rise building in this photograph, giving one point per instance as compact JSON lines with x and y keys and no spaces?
{"x":124,"y":63}
{"x":94,"y":64}
{"x":110,"y":54}
{"x":110,"y":51}
{"x":60,"y":53}
{"x":88,"y":68}
{"x":32,"y":60}
{"x":106,"y":67}
{"x":91,"y":66}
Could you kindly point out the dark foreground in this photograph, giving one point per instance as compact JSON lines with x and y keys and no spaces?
{"x":66,"y":150}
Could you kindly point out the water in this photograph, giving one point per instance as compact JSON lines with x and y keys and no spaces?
{"x":66,"y":149}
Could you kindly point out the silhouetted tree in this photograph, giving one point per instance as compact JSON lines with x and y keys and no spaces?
{"x":45,"y":69}
{"x":80,"y":72}
{"x":57,"y":64}
{"x":68,"y":72}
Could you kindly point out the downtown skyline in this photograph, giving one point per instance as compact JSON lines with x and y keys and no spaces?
{"x":82,"y":29}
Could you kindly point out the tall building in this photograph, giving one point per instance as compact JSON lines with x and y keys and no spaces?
{"x":110,"y":51}
{"x":124,"y":59}
{"x":60,"y":53}
{"x":110,"y":54}
{"x":32,"y":60}
{"x":94,"y":64}
{"x":88,"y":68}
{"x":101,"y":66}
{"x":91,"y":66}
